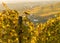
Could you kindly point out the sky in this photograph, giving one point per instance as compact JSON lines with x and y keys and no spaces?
{"x":15,"y":1}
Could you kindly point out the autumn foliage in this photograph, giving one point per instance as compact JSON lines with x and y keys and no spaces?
{"x":48,"y":32}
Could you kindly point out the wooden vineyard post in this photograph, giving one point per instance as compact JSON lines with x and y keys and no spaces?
{"x":20,"y":29}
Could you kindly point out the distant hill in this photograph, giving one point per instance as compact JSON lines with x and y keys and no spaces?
{"x":45,"y":8}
